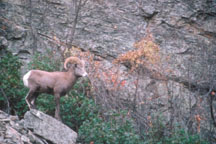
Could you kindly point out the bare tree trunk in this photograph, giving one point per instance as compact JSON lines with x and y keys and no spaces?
{"x":34,"y":44}
{"x":77,"y":5}
{"x":8,"y":104}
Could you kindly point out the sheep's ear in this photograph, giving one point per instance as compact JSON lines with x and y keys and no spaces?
{"x":70,"y":65}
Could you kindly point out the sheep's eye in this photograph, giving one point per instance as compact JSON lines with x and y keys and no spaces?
{"x":75,"y":65}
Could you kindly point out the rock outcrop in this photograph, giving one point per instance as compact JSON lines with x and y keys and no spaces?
{"x":35,"y":128}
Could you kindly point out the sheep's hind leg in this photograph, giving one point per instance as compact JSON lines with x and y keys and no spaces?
{"x":33,"y":98}
{"x":28,"y":99}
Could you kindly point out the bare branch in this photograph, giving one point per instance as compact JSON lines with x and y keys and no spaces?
{"x":33,"y":31}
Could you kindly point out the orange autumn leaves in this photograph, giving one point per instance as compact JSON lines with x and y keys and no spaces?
{"x":146,"y":53}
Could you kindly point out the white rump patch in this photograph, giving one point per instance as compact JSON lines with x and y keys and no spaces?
{"x":25,"y":78}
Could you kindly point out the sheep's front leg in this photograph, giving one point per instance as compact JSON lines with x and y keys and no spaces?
{"x":57,"y":109}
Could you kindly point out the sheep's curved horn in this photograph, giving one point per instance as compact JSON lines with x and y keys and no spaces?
{"x":73,"y":60}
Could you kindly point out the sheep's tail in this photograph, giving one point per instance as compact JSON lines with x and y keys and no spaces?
{"x":25,"y":78}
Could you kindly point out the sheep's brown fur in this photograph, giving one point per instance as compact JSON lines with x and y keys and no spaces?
{"x":55,"y":83}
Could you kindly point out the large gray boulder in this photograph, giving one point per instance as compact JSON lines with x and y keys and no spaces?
{"x":12,"y":131}
{"x":49,"y":128}
{"x":35,"y":128}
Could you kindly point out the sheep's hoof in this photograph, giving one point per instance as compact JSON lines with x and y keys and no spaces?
{"x":59,"y":119}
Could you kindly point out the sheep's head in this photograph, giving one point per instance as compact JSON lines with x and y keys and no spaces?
{"x":77,"y":65}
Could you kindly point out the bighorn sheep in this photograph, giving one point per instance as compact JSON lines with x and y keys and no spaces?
{"x":55,"y":83}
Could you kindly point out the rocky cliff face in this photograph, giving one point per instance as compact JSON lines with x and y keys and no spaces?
{"x":185,"y":32}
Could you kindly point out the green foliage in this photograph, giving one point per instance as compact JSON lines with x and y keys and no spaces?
{"x":11,"y":85}
{"x":46,"y":104}
{"x":76,"y":108}
{"x":180,"y":136}
{"x":118,"y":129}
{"x":49,"y":62}
{"x":157,"y":134}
